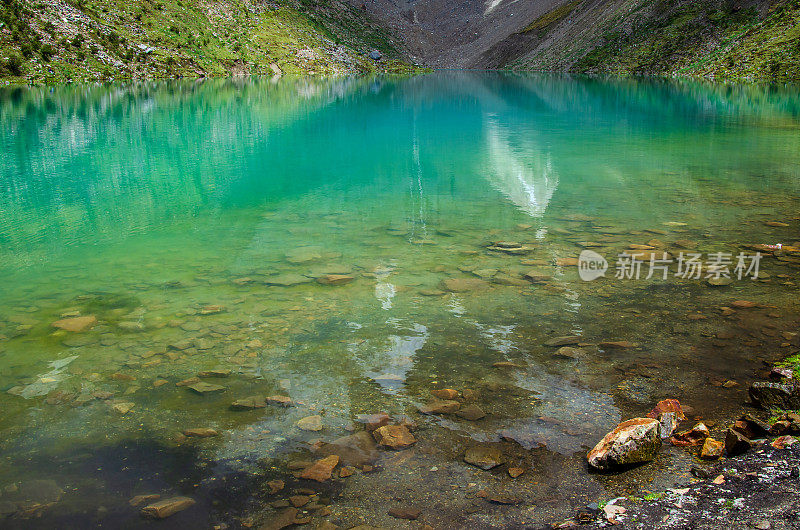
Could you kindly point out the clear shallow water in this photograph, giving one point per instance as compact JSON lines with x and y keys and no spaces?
{"x":147,"y":205}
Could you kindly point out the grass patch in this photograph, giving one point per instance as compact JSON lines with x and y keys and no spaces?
{"x":551,"y":18}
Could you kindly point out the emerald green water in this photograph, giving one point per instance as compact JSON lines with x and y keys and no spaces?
{"x":146,"y":205}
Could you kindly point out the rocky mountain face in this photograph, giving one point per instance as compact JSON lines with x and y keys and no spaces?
{"x":756,"y":39}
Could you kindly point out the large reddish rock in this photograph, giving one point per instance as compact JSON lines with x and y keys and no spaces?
{"x":320,"y":470}
{"x":631,"y":442}
{"x":667,"y":405}
{"x":76,"y":324}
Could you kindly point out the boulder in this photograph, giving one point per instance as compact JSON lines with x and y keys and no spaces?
{"x":335,"y":279}
{"x":445,"y":393}
{"x":205,"y":388}
{"x":736,"y":443}
{"x":631,"y":442}
{"x":373,"y":421}
{"x":784,"y":396}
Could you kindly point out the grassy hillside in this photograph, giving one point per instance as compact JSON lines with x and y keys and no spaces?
{"x":56,"y":41}
{"x":722,"y":39}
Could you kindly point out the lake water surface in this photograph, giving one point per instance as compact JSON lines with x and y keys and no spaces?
{"x":335,"y":242}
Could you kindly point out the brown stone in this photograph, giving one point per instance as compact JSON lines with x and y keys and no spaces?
{"x":167,"y":507}
{"x":514,"y":472}
{"x":743,"y":304}
{"x":346,"y":471}
{"x":373,"y":421}
{"x":622,"y":344}
{"x":275,"y":486}
{"x":693,"y":436}
{"x":484,"y":456}
{"x":281,"y":401}
{"x":460,"y":285}
{"x":405,"y":513}
{"x":76,"y":324}
{"x":394,"y":436}
{"x":321,"y":469}
{"x":248,"y":403}
{"x":335,"y":279}
{"x":505,"y":364}
{"x":200,"y":432}
{"x":299,"y":501}
{"x":471,"y":413}
{"x":445,"y":393}
{"x":712,"y":449}
{"x":736,"y":443}
{"x":440,"y":407}
{"x":141,"y":499}
{"x":205,"y":388}
{"x":569,"y":340}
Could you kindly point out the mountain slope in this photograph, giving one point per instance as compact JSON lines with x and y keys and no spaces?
{"x":57,"y":40}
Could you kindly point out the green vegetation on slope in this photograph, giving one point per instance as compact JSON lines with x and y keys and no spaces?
{"x":702,"y":38}
{"x":53,"y":41}
{"x":552,"y":18}
{"x":719,"y":39}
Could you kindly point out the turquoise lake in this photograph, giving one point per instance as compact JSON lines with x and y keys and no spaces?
{"x":354,"y":244}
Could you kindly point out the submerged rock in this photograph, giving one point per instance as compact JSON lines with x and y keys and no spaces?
{"x":355,"y":450}
{"x":335,"y":279}
{"x":167,"y":507}
{"x":76,"y":324}
{"x":252,"y":402}
{"x":484,"y":456}
{"x":394,"y":436}
{"x":287,"y":280}
{"x":631,"y":442}
{"x":471,"y":413}
{"x":310,"y":423}
{"x":320,"y":470}
{"x":460,"y":285}
{"x":200,"y":432}
{"x":205,"y":388}
{"x":440,"y":407}
{"x":568,"y":340}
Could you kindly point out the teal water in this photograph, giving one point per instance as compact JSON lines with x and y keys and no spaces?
{"x":194,"y":219}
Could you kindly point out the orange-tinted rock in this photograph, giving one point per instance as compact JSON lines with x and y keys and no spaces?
{"x":76,"y":324}
{"x":445,"y":393}
{"x":743,"y":304}
{"x":712,"y":449}
{"x":440,"y":407}
{"x":631,"y":442}
{"x":667,"y":405}
{"x":394,"y":436}
{"x":320,"y":470}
